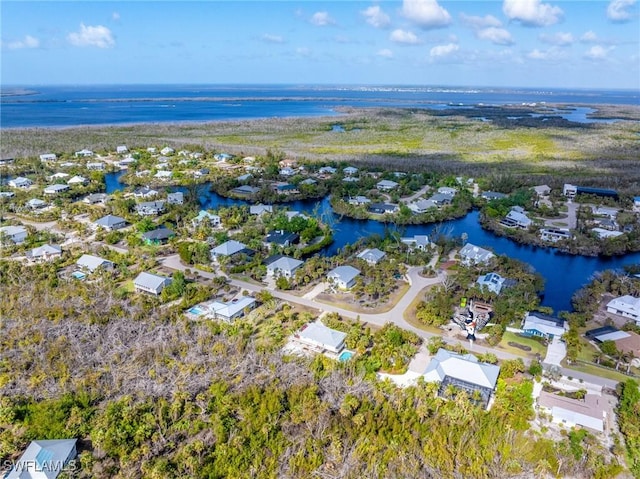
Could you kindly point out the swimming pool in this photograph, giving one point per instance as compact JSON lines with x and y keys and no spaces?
{"x":79,"y":275}
{"x":197,"y":310}
{"x":345,"y":356}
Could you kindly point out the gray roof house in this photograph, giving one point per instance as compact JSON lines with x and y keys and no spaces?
{"x":260,"y":209}
{"x":228,"y":248}
{"x":386,"y":185}
{"x":214,"y":220}
{"x":48,"y":157}
{"x":95,"y":198}
{"x":588,"y":412}
{"x":176,"y":198}
{"x":35,"y":203}
{"x":626,"y":306}
{"x":420,"y":242}
{"x":150,"y":283}
{"x":158,"y":236}
{"x":44,"y":459}
{"x":280,"y":265}
{"x":493,"y":282}
{"x":464,"y":372}
{"x":318,"y":336}
{"x":150,"y":208}
{"x":372,"y":256}
{"x":15,"y":234}
{"x":46,"y":252}
{"x":350,"y":170}
{"x":344,"y":277}
{"x":20,"y":182}
{"x":472,"y":254}
{"x":231,"y":310}
{"x":145,"y":192}
{"x":516,"y":218}
{"x":245,"y":190}
{"x":492,"y":195}
{"x":55,"y":189}
{"x":421,"y":206}
{"x":88,"y":262}
{"x":111,"y":222}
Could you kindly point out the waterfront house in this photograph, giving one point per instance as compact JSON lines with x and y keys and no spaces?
{"x":554,"y":234}
{"x":158,"y":236}
{"x":260,"y":209}
{"x":463,"y":372}
{"x":442,"y":199}
{"x":281,"y":238}
{"x":96,"y":166}
{"x":386,"y":185}
{"x":343,"y":277}
{"x":176,"y":198}
{"x":359,"y":200}
{"x":543,"y":325}
{"x":472,"y":254}
{"x":245,"y":190}
{"x":420,"y":242}
{"x":55,"y":189}
{"x":372,"y":256}
{"x":606,"y":233}
{"x":91,"y":263}
{"x":492,"y":195}
{"x":382,"y":208}
{"x":95,"y":198}
{"x":14,"y":234}
{"x":214,"y":220}
{"x":229,"y":248}
{"x":280,"y":265}
{"x":318,"y":337}
{"x":78,"y":180}
{"x":150,"y":283}
{"x":516,"y":218}
{"x":626,"y":306}
{"x":421,"y":206}
{"x":493,"y":282}
{"x":163,"y":175}
{"x":282,"y":187}
{"x":20,"y":182}
{"x":46,"y":252}
{"x":150,"y":208}
{"x":111,"y":222}
{"x":588,"y":412}
{"x":83,"y":153}
{"x":44,"y":459}
{"x":145,"y":192}
{"x":244,"y":178}
{"x":48,"y":157}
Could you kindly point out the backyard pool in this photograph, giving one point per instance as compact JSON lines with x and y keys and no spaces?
{"x":197,"y":310}
{"x":78,"y":275}
{"x":345,"y":356}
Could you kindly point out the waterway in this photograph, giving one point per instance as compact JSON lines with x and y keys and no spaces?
{"x":564,"y":274}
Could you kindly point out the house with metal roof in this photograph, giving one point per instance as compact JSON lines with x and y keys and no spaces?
{"x":492,"y":282}
{"x":95,"y":198}
{"x":111,"y":222}
{"x":46,"y":252}
{"x":280,"y":265}
{"x":214,"y":220}
{"x":359,"y":200}
{"x":77,"y":180}
{"x":245,"y":190}
{"x":121,"y":149}
{"x":260,"y":209}
{"x":145,"y":192}
{"x":14,"y":234}
{"x":421,"y":206}
{"x":464,"y":372}
{"x":327,"y":170}
{"x":48,"y":157}
{"x":167,"y":151}
{"x":151,"y":283}
{"x":44,"y":459}
{"x":228,"y":248}
{"x":83,"y":153}
{"x":543,"y":325}
{"x":91,"y":263}
{"x":55,"y":189}
{"x":372,"y":256}
{"x":344,"y":277}
{"x":230,"y":310}
{"x":472,"y":254}
{"x":421,"y":242}
{"x":554,"y":235}
{"x":386,"y":185}
{"x":150,"y":208}
{"x":382,"y":208}
{"x":319,"y":337}
{"x":158,"y":236}
{"x":516,"y":218}
{"x":442,"y":199}
{"x":626,"y":306}
{"x":350,"y":170}
{"x":36,"y":203}
{"x":176,"y":198}
{"x":20,"y":182}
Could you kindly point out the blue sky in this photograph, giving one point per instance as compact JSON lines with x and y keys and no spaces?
{"x":519,"y":43}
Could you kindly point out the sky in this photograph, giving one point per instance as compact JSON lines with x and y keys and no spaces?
{"x":500,"y":43}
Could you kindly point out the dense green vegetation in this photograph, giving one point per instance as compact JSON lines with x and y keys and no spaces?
{"x":629,"y":420}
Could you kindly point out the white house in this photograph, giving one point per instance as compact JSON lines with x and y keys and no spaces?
{"x":46,"y":252}
{"x":167,"y":151}
{"x":588,"y":412}
{"x":626,"y":306}
{"x":163,"y":174}
{"x":214,"y":220}
{"x":121,"y":149}
{"x":372,"y":256}
{"x":283,"y":266}
{"x":44,"y":459}
{"x":543,"y":325}
{"x":570,"y":191}
{"x":176,"y":198}
{"x":344,"y":277}
{"x":150,"y":208}
{"x":150,"y":283}
{"x":421,"y":206}
{"x":472,"y":254}
{"x":55,"y":189}
{"x":232,"y":309}
{"x":96,"y":166}
{"x":447,"y":190}
{"x":386,"y":185}
{"x":287,"y":171}
{"x":48,"y":157}
{"x":111,"y":222}
{"x":20,"y":182}
{"x":83,"y":153}
{"x":604,"y":233}
{"x":492,"y":282}
{"x":260,"y":209}
{"x":320,"y":337}
{"x":350,"y":170}
{"x":36,"y":203}
{"x":554,"y":234}
{"x":516,"y":218}
{"x":15,"y":234}
{"x":78,"y":180}
{"x":145,"y":192}
{"x":91,"y":263}
{"x":420,"y":242}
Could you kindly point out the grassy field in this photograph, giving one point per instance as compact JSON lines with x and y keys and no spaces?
{"x":536,"y":347}
{"x":410,"y":314}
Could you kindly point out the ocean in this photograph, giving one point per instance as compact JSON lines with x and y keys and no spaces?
{"x":64,"y":106}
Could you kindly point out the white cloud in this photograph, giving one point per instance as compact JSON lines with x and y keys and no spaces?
{"x":618,"y":10}
{"x":27,"y":42}
{"x":115,"y":16}
{"x":589,"y":37}
{"x":551,"y":54}
{"x":480,"y":22}
{"x":498,"y":36}
{"x":441,"y":51}
{"x":92,"y":36}
{"x":269,"y":38}
{"x":322,"y":19}
{"x":426,"y":13}
{"x":376,"y":17}
{"x":598,"y":52}
{"x":385,"y":53}
{"x":532,"y":13}
{"x":561,"y":39}
{"x":405,"y":37}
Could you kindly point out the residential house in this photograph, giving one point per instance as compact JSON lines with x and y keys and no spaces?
{"x":91,"y":263}
{"x":327,"y":170}
{"x":350,"y":170}
{"x":145,"y":192}
{"x":176,"y":198}
{"x":421,"y":206}
{"x":447,"y":190}
{"x":359,"y":200}
{"x":308,"y":181}
{"x":472,"y":254}
{"x":570,"y":191}
{"x":626,"y":306}
{"x":245,"y":190}
{"x":492,"y":282}
{"x":36,"y":203}
{"x":516,"y":218}
{"x":6,"y":161}
{"x":543,"y":325}
{"x":609,"y":212}
{"x":588,"y":412}
{"x":280,"y":265}
{"x":625,"y":341}
{"x":420,"y":242}
{"x":141,"y":173}
{"x":554,"y":235}
{"x":151,"y":150}
{"x":281,"y":187}
{"x":78,"y":180}
{"x":382,"y":208}
{"x":55,"y":189}
{"x":344,"y":277}
{"x":68,"y":164}
{"x":83,"y":153}
{"x":48,"y":157}
{"x":229,"y":248}
{"x":321,"y":338}
{"x":372,"y":256}
{"x":294,"y":214}
{"x":150,"y":283}
{"x":492,"y":195}
{"x":350,"y":179}
{"x":14,"y":234}
{"x":288,"y":163}
{"x":542,"y":191}
{"x":7,"y":194}
{"x":96,"y":166}
{"x":46,"y":252}
{"x":44,"y":459}
{"x":95,"y":198}
{"x":287,"y":171}
{"x":121,"y":150}
{"x":244,"y":178}
{"x":442,"y":199}
{"x":606,"y":233}
{"x":166,"y":151}
{"x":158,"y":236}
{"x":125,"y":162}
{"x":607,"y":224}
{"x":20,"y":182}
{"x":58,"y":176}
{"x":231,"y":310}
{"x":222,"y":157}
{"x":150,"y":208}
{"x":281,"y":238}
{"x":386,"y":185}
{"x":463,"y":372}
{"x":163,"y":175}
{"x":111,"y":222}
{"x":260,"y":209}
{"x":214,"y":220}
